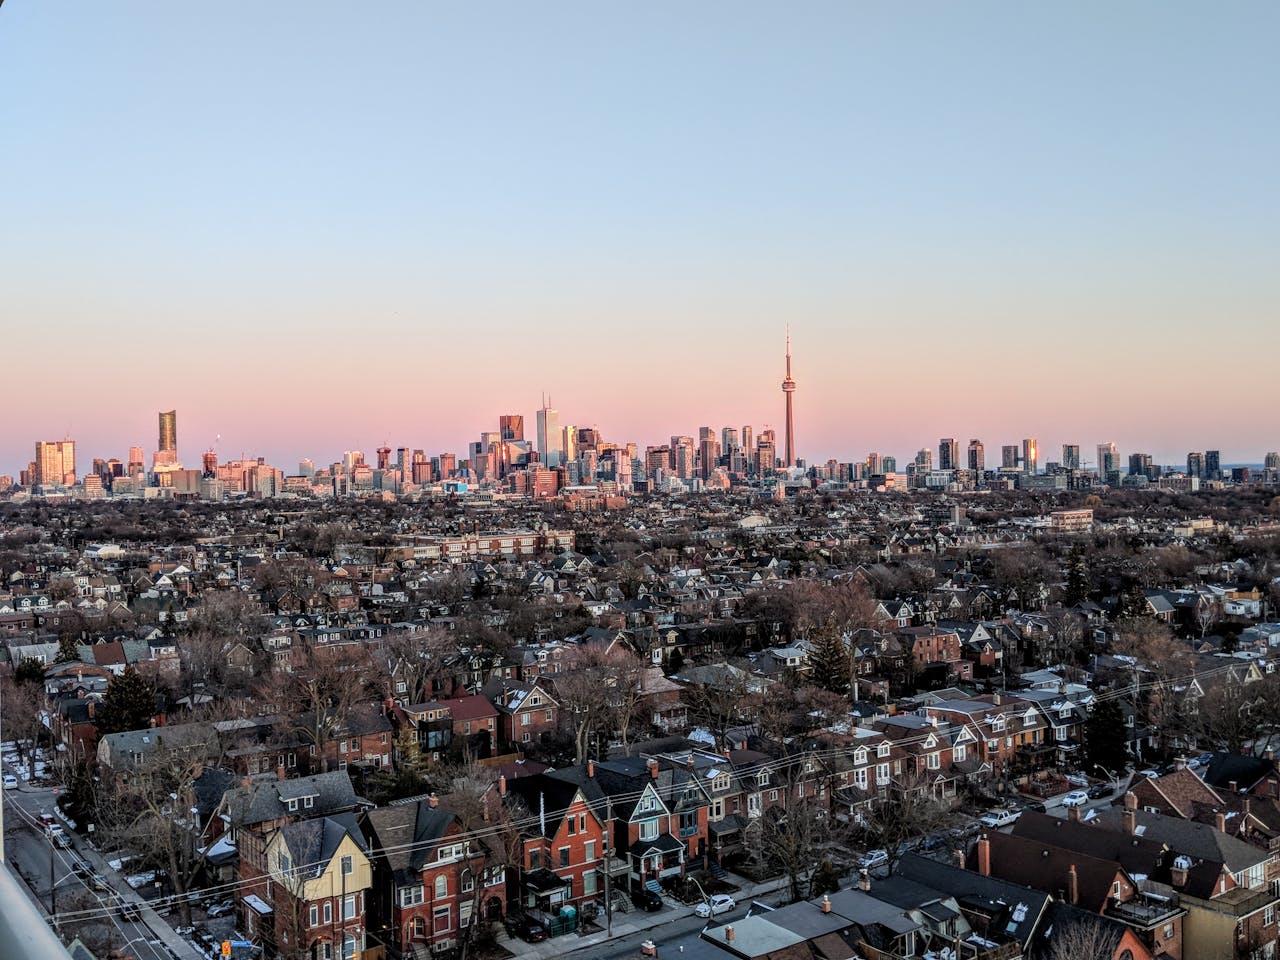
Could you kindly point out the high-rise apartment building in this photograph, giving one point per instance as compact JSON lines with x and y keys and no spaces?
{"x":550,"y":440}
{"x":384,"y":457}
{"x":747,"y":437}
{"x":1195,"y":464}
{"x":948,"y":454}
{"x":873,"y":464}
{"x":729,"y":439}
{"x":55,"y":462}
{"x":511,"y":426}
{"x":1071,"y":456}
{"x":1139,"y":463}
{"x":977,"y":456}
{"x":1009,"y":457}
{"x":1030,"y":455}
{"x":569,"y":443}
{"x":924,"y":460}
{"x":1108,"y":459}
{"x":209,"y":464}
{"x":1271,"y":461}
{"x":136,"y":463}
{"x":1212,"y":465}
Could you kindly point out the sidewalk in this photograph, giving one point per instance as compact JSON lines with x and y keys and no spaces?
{"x":636,"y":921}
{"x":158,"y":925}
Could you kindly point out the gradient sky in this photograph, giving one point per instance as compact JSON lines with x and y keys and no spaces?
{"x":312,"y":226}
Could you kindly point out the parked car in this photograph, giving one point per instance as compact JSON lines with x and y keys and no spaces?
{"x":872,"y":859}
{"x":1076,"y":798}
{"x":1204,"y":759}
{"x":10,"y":781}
{"x":58,"y":835}
{"x":999,"y":818}
{"x":129,"y":912}
{"x":526,"y":928}
{"x":646,"y":899}
{"x":99,"y":882}
{"x":220,"y":909}
{"x":1100,"y":791}
{"x":1035,"y":805}
{"x":81,"y":869}
{"x":184,"y":931}
{"x":718,"y":903}
{"x":1149,"y":773}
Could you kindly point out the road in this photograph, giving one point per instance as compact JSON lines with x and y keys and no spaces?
{"x":28,"y":850}
{"x":676,"y":937}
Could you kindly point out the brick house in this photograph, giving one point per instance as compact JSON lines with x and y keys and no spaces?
{"x":562,"y":842}
{"x":431,"y":880}
{"x":526,"y":711}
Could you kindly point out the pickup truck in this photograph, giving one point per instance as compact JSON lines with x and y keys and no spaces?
{"x":999,"y":818}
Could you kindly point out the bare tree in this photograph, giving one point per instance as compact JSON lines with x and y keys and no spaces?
{"x":1083,"y":937}
{"x":590,"y":692}
{"x":419,"y":660}
{"x":149,"y":811}
{"x":23,"y":706}
{"x":908,"y":811}
{"x":789,"y":840}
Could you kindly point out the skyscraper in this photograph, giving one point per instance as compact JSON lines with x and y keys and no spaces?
{"x":1071,"y":456}
{"x":550,"y":440}
{"x":511,"y":426}
{"x":1212,"y":465}
{"x":1009,"y":456}
{"x":1030,"y":455}
{"x":1195,"y":464}
{"x":948,"y":454}
{"x":788,"y":388}
{"x":55,"y":462}
{"x":1108,"y":459}
{"x":977,"y":456}
{"x":169,"y":433}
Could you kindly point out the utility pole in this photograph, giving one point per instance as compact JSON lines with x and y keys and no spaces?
{"x":53,"y":887}
{"x":608,"y":871}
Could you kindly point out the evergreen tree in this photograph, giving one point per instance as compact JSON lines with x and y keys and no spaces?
{"x":1104,"y":737}
{"x":829,"y":660}
{"x":1077,"y":578}
{"x":129,"y":704}
{"x":67,"y":652}
{"x":30,"y":670}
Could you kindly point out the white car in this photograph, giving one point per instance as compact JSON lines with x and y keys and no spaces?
{"x":720,"y":903}
{"x":1076,"y":798}
{"x":873,"y":859}
{"x":10,"y":781}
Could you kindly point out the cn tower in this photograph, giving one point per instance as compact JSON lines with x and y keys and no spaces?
{"x":788,"y":388}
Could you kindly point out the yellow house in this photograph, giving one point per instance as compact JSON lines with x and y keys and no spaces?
{"x":320,"y":877}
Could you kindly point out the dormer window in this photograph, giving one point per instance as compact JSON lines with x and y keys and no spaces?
{"x":762,"y":777}
{"x":308,"y":802}
{"x":883,"y":749}
{"x":721,"y":782}
{"x":997,"y":723}
{"x":535,"y":700}
{"x":292,"y":805}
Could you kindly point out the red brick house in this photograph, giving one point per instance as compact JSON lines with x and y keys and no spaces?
{"x":526,"y":711}
{"x":432,"y":881}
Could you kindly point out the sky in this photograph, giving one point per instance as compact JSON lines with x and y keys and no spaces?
{"x":315,"y":226}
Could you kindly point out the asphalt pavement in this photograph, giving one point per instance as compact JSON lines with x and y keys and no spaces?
{"x":30,"y":852}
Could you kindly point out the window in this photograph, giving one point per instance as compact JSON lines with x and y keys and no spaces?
{"x":582,"y":823}
{"x":773,"y":795}
{"x":342,"y":746}
{"x":548,"y":716}
{"x":349,"y":907}
{"x":720,"y":783}
{"x":468,"y":881}
{"x":418,"y":929}
{"x":564,"y":856}
{"x":860,"y":778}
{"x":526,"y":737}
{"x":959,"y":753}
{"x":762,"y":778}
{"x":535,"y":859}
{"x":347,"y":866}
{"x":933,"y":761}
{"x":328,"y":911}
{"x":525,"y":719}
{"x":648,"y":829}
{"x":589,"y":851}
{"x":308,"y":802}
{"x":882,"y":773}
{"x":313,"y":915}
{"x":572,"y":825}
{"x":411,"y":896}
{"x":292,"y":805}
{"x":440,"y":922}
{"x":442,"y":887}
{"x":588,"y":883}
{"x":1269,"y":915}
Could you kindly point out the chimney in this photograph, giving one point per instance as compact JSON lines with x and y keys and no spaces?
{"x":1130,"y":821}
{"x":502,"y":784}
{"x":1234,"y":786}
{"x":995,"y":699}
{"x":591,"y":769}
{"x":957,"y":855}
{"x":826,"y":903}
{"x":1270,"y":757}
{"x":653,"y":767}
{"x":1179,"y":763}
{"x":1073,"y":885}
{"x":433,"y":801}
{"x":984,"y":856}
{"x":1073,"y":813}
{"x":1131,"y":801}
{"x":728,"y":933}
{"x":726,"y":753}
{"x":864,"y":881}
{"x":1178,"y":872}
{"x":1220,"y":821}
{"x":280,"y":771}
{"x":91,"y":702}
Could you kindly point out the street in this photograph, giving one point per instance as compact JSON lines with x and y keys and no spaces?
{"x":28,"y":849}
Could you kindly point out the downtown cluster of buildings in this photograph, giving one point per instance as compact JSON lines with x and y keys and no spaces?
{"x":570,"y":460}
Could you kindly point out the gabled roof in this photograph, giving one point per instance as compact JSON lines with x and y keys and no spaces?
{"x":407,"y":834}
{"x":312,"y":843}
{"x":265,"y":798}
